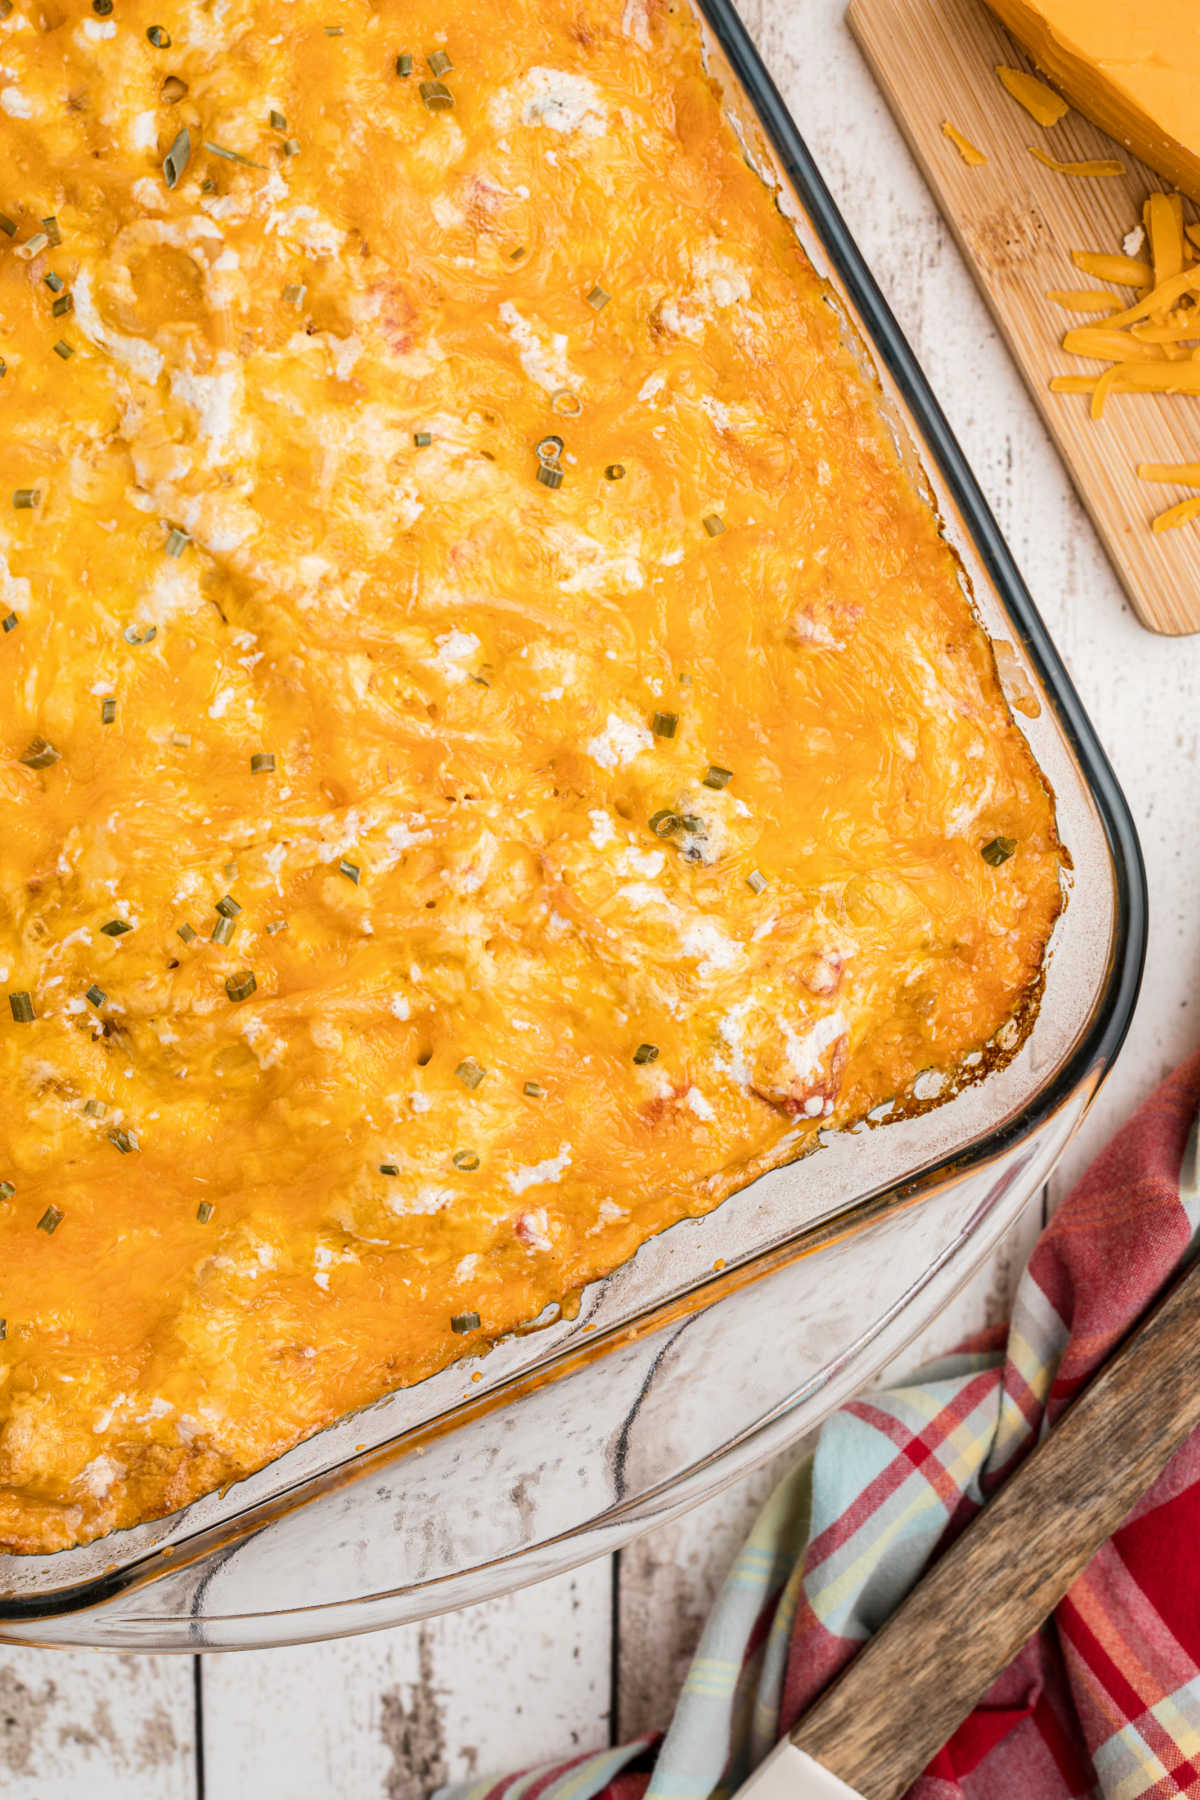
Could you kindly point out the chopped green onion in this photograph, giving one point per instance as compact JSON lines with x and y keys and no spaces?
{"x":422,"y":439}
{"x":204,"y":1211}
{"x":7,"y":1190}
{"x":350,"y":870}
{"x":439,"y":63}
{"x":52,"y":1218}
{"x":276,"y":925}
{"x":133,"y":634}
{"x":234,"y":156}
{"x":94,"y":1109}
{"x":535,"y":1090}
{"x":3,"y":368}
{"x":664,"y":724}
{"x":404,"y":63}
{"x":3,"y":1330}
{"x":615,"y":472}
{"x":9,"y":623}
{"x":598,"y":298}
{"x":646,"y":1053}
{"x":95,"y":996}
{"x":437,"y":96}
{"x":262,"y":762}
{"x":188,"y":933}
{"x":63,"y":349}
{"x":108,"y":710}
{"x":32,"y":246}
{"x":177,"y":541}
{"x":464,"y":1322}
{"x":160,"y":37}
{"x":550,"y":475}
{"x":567,"y":403}
{"x":228,"y":907}
{"x":25,"y":499}
{"x":222,"y":931}
{"x":181,"y":740}
{"x":51,"y":227}
{"x":54,"y":282}
{"x":998,"y":850}
{"x":102,"y":8}
{"x":40,"y":754}
{"x":717,"y":777}
{"x":126,"y":1141}
{"x":179,"y":155}
{"x":465,"y":1159}
{"x":21,"y":1004}
{"x":756,"y":882}
{"x":115,"y":928}
{"x":8,"y":226}
{"x":290,"y":146}
{"x":63,"y":305}
{"x":241,"y":985}
{"x":469,"y":1072}
{"x":276,"y":121}
{"x":389,"y":1168}
{"x":335,"y":31}
{"x":714,"y":524}
{"x":171,"y":92}
{"x":664,"y":823}
{"x":293,"y":295}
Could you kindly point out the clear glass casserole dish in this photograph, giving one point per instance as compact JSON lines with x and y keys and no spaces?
{"x":664,"y":1383}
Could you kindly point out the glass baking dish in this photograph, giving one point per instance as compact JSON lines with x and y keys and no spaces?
{"x":728,"y":1335}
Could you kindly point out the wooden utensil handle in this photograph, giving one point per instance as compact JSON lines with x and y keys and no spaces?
{"x":916,"y":1680}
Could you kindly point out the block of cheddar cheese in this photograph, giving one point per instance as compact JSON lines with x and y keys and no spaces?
{"x":1133,"y":69}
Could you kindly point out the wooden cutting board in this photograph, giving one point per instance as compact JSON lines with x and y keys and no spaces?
{"x":1017,"y":223}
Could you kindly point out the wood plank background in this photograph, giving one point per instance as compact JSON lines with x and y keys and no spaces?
{"x":583,"y":1660}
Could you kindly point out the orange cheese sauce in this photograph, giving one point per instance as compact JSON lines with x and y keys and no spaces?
{"x":501,"y":1027}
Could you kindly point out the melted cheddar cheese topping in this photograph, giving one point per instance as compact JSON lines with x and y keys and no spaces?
{"x":422,"y":880}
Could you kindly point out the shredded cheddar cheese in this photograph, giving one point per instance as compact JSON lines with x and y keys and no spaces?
{"x":1084,"y":300}
{"x":1037,"y":97}
{"x":1092,"y":168}
{"x":969,"y":152}
{"x":1183,"y":514}
{"x":1181,"y":474}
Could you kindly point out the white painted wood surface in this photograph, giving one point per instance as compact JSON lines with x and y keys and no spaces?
{"x":560,"y":1667}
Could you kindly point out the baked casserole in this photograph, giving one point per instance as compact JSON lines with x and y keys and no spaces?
{"x":497,"y":753}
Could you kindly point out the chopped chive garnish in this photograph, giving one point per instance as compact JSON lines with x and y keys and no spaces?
{"x":51,"y":228}
{"x":95,"y":996}
{"x":160,"y":37}
{"x":275,"y":926}
{"x":181,"y":740}
{"x":228,"y":907}
{"x":188,"y":933}
{"x":8,"y":226}
{"x":204,"y":1211}
{"x":550,"y":475}
{"x":615,"y":472}
{"x":262,"y":762}
{"x":335,"y":31}
{"x":3,"y":1330}
{"x":714,"y":524}
{"x":171,"y":92}
{"x":664,"y":823}
{"x":126,"y":1141}
{"x":32,"y":246}
{"x":350,"y":870}
{"x":437,"y":96}
{"x":464,"y":1322}
{"x":234,"y":156}
{"x":9,"y":623}
{"x":115,"y":928}
{"x":63,"y":305}
{"x":598,"y":299}
{"x":422,"y":439}
{"x":21,"y":1004}
{"x":177,"y":541}
{"x":241,"y":985}
{"x":293,"y":295}
{"x":94,"y":1109}
{"x":222,"y":931}
{"x":276,"y":121}
{"x":290,"y":146}
{"x":51,"y":1219}
{"x":404,"y":63}
{"x":63,"y":349}
{"x":25,"y":499}
{"x":134,"y":634}
{"x":3,"y":368}
{"x":179,"y":155}
{"x":469,"y":1072}
{"x":998,"y":850}
{"x":40,"y":754}
{"x":646,"y":1053}
{"x":756,"y":882}
{"x":7,"y":1190}
{"x":439,"y":63}
{"x":102,"y":8}
{"x":389,"y":1168}
{"x":717,"y":777}
{"x":108,"y":710}
{"x":54,"y":282}
{"x":664,"y":724}
{"x":465,"y":1159}
{"x":535,"y":1090}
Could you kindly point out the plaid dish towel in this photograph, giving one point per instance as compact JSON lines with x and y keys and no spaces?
{"x":1105,"y":1700}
